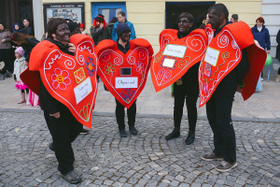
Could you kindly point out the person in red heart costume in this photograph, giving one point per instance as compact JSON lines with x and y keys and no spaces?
{"x":232,"y":62}
{"x":186,"y":88}
{"x":123,"y":69}
{"x":63,"y":126}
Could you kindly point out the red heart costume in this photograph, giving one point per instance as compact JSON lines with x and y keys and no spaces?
{"x":176,"y":56}
{"x":124,"y":75}
{"x":223,"y":54}
{"x":69,"y":79}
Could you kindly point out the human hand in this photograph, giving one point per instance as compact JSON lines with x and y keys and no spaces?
{"x":55,"y":115}
{"x":72,"y":47}
{"x":268,"y":51}
{"x":101,"y":25}
{"x":3,"y":41}
{"x":239,"y":89}
{"x":25,"y":63}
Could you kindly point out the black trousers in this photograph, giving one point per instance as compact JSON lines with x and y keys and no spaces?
{"x":186,"y":92}
{"x":64,"y":131}
{"x":120,"y":114}
{"x":218,"y":110}
{"x":7,"y":56}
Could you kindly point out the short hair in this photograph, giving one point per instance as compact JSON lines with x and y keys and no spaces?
{"x":260,"y":19}
{"x":122,"y":13}
{"x":52,"y":25}
{"x":186,"y":15}
{"x":219,"y":9}
{"x":235,"y":16}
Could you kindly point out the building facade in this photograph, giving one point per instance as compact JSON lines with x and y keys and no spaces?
{"x":150,"y":17}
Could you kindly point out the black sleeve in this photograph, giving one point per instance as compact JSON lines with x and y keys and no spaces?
{"x":243,"y":66}
{"x":47,"y":102}
{"x":278,"y":37}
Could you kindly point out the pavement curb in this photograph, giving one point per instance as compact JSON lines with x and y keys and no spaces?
{"x":159,"y":116}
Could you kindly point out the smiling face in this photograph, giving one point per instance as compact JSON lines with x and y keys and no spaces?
{"x":184,"y":24}
{"x":62,"y":33}
{"x":125,"y":36}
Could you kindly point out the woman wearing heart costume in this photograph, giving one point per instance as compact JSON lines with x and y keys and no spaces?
{"x":123,"y":69}
{"x":232,"y":62}
{"x":63,"y":126}
{"x":186,"y":88}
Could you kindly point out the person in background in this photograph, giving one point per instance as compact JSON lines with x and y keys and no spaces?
{"x":16,"y":28}
{"x":186,"y":88}
{"x":278,"y":54}
{"x":122,"y":19}
{"x":19,"y":67}
{"x":27,"y":29}
{"x":234,"y":18}
{"x":261,"y":34}
{"x":27,"y":42}
{"x":111,"y":26}
{"x":99,"y":31}
{"x":6,"y":52}
{"x":82,"y":28}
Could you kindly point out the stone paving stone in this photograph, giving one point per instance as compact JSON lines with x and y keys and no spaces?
{"x":105,"y":159}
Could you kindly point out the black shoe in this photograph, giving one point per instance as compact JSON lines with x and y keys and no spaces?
{"x":133,"y":131}
{"x":2,"y":77}
{"x":72,"y":177}
{"x":190,"y":139}
{"x":84,"y":131}
{"x":174,"y":134}
{"x":51,"y":146}
{"x":122,"y":133}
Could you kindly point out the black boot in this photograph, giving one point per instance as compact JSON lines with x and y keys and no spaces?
{"x":132,"y":130}
{"x":174,"y":134}
{"x":122,"y":133}
{"x":190,"y":139}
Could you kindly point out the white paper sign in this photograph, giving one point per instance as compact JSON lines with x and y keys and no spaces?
{"x":82,"y":90}
{"x":126,"y":82}
{"x":211,"y":56}
{"x":168,"y":62}
{"x":175,"y":50}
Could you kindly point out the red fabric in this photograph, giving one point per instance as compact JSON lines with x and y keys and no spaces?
{"x":67,"y":77}
{"x":229,"y":44}
{"x":112,"y":60}
{"x":195,"y":45}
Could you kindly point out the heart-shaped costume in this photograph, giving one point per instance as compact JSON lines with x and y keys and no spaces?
{"x":124,"y":75}
{"x":69,"y":79}
{"x":176,"y":56}
{"x":223,"y":54}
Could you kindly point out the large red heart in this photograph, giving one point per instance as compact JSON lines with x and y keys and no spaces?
{"x":176,"y":56}
{"x":69,"y":79}
{"x":223,"y":54}
{"x":124,"y":75}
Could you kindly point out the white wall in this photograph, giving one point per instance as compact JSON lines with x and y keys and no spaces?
{"x":271,"y":15}
{"x":38,"y":19}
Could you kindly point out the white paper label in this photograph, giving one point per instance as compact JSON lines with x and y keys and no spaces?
{"x":168,"y":62}
{"x":82,"y":90}
{"x":126,"y":82}
{"x":211,"y":56}
{"x":175,"y":50}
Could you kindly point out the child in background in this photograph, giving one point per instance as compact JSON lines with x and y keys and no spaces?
{"x":19,"y":67}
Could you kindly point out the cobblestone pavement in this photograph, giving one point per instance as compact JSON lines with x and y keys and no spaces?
{"x":105,"y":159}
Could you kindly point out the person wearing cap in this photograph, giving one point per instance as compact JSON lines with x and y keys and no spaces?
{"x":122,"y":19}
{"x":123,"y":32}
{"x":82,"y":28}
{"x":99,"y":31}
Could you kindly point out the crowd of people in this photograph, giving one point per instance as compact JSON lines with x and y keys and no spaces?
{"x":63,"y":126}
